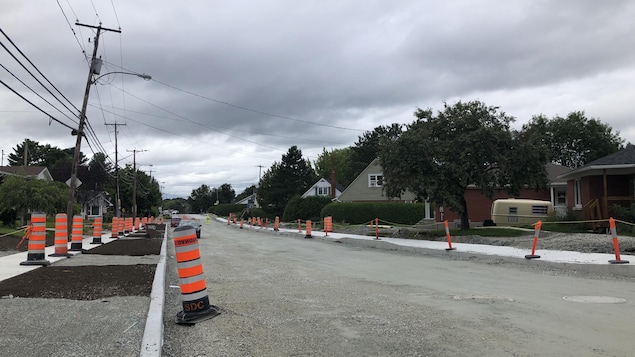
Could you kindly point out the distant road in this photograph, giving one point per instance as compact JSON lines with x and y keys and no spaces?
{"x":282,"y":295}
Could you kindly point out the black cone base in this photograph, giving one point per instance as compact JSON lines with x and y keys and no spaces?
{"x":191,"y":318}
{"x":618,"y":261}
{"x":532,"y":256}
{"x":36,"y":262}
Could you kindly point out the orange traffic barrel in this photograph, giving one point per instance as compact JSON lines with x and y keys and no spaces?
{"x":114,"y":228}
{"x":76,"y":234}
{"x":308,"y":230}
{"x":37,"y":241}
{"x":328,"y":225}
{"x":97,"y":230}
{"x":61,"y":236}
{"x":120,"y":226}
{"x":196,"y":306}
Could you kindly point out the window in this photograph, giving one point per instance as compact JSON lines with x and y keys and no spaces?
{"x":561,"y":197}
{"x":577,"y":194}
{"x":375,"y":180}
{"x":542,"y":210}
{"x":513,"y":211}
{"x":323,"y":191}
{"x":93,"y":210}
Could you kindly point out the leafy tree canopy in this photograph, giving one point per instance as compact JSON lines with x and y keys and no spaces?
{"x":34,"y":195}
{"x":439,"y":156}
{"x":292,"y":176}
{"x":368,"y":146}
{"x":337,"y":161}
{"x":575,"y":140}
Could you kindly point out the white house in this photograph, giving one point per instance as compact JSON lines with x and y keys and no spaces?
{"x":323,"y":188}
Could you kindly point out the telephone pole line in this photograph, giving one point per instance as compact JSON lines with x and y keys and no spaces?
{"x":95,"y":67}
{"x":117,"y":198}
{"x":134,"y":180}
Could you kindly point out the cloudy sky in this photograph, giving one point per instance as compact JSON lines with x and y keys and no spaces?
{"x":236,"y":83}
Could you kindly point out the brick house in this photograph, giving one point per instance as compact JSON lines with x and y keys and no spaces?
{"x":594,"y":187}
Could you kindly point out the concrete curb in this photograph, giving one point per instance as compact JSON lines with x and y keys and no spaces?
{"x":152,"y":342}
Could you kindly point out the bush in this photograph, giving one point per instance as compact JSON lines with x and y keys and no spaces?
{"x":308,"y":208}
{"x":364,"y":212}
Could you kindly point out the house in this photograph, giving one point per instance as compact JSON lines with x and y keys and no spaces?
{"x":367,"y":187}
{"x":594,"y":187}
{"x":39,"y":172}
{"x":94,"y":203}
{"x":250,"y":201}
{"x":323,"y":188}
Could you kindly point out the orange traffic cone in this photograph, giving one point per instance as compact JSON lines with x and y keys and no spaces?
{"x":196,"y":306}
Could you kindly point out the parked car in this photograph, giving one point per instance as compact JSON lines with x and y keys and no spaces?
{"x":192,"y":223}
{"x":174,"y":222}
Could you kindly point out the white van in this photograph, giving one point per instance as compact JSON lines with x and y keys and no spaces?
{"x":519,"y":212}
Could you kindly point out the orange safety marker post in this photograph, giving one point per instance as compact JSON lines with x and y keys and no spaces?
{"x":276,"y":224}
{"x":76,"y":233}
{"x":229,"y":219}
{"x":447,"y":235}
{"x":61,"y":236}
{"x":137,"y":223}
{"x":97,"y":228}
{"x":144,"y":222}
{"x":37,"y":241}
{"x":299,"y":226}
{"x":308,"y":230}
{"x":114,"y":228}
{"x":266,"y":223}
{"x":242,"y":221}
{"x":616,"y":246}
{"x":259,"y":222}
{"x":376,"y":228}
{"x":533,"y":246}
{"x":328,"y":225}
{"x":196,"y":306}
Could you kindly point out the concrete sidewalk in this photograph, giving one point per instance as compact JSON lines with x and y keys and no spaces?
{"x":142,"y":311}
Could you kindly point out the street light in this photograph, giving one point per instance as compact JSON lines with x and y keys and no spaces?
{"x":146,"y":77}
{"x":95,"y":67}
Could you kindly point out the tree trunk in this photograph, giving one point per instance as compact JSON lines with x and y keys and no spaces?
{"x":465,"y":220}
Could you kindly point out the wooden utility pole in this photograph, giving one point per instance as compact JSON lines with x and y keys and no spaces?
{"x":117,"y":198}
{"x":134,"y":181}
{"x":95,"y":65}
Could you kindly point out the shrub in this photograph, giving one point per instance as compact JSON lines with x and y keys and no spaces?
{"x":364,"y":212}
{"x":308,"y":208}
{"x":226,"y":208}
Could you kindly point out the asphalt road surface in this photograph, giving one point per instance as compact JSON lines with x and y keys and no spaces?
{"x":283,"y":295}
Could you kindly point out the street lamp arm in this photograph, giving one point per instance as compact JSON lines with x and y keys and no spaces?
{"x":146,"y":77}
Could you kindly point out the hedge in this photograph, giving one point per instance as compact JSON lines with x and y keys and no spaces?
{"x":364,"y":212}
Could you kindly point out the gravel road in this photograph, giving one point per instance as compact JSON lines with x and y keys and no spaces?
{"x":282,"y":295}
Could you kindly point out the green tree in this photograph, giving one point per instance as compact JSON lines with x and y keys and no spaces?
{"x":99,"y":173}
{"x":337,"y":161}
{"x":148,"y":191}
{"x":226,"y":193}
{"x":439,"y":156}
{"x":292,"y":176}
{"x":575,"y":140}
{"x":368,"y":146}
{"x":201,"y":199}
{"x":29,"y":194}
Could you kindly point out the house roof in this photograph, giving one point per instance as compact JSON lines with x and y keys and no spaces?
{"x":618,"y":163}
{"x":554,"y":171}
{"x":26,"y":171}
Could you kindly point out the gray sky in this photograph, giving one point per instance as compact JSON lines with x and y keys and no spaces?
{"x":236,"y":83}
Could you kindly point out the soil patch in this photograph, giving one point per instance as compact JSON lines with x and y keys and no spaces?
{"x":90,"y":282}
{"x":81,"y":282}
{"x":133,"y":247}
